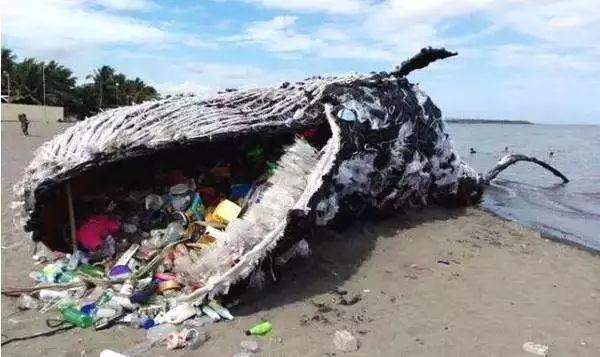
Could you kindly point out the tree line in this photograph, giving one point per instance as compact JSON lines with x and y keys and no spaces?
{"x":106,"y":87}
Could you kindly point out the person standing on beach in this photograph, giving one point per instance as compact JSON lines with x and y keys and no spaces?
{"x":24,"y":123}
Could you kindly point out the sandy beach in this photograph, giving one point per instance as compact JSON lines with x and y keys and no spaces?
{"x":432,"y":282}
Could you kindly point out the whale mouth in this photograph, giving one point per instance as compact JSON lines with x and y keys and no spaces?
{"x":302,"y":156}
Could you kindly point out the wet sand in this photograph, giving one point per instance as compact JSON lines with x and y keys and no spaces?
{"x":434,"y":282}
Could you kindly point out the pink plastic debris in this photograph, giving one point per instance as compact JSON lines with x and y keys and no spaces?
{"x":93,"y":230}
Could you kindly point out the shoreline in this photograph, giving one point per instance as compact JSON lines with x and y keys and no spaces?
{"x":546,"y":235}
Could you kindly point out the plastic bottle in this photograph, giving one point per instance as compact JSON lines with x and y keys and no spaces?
{"x":91,"y":270}
{"x":105,"y":297}
{"x":132,"y":319}
{"x":47,"y":295}
{"x":74,"y":316}
{"x":260,"y":328}
{"x":180,"y":313}
{"x":223,"y":312}
{"x":211,"y":313}
{"x":173,"y":233}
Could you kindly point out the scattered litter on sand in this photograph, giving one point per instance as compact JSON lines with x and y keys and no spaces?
{"x":139,"y":250}
{"x":344,"y":341}
{"x":536,"y":348}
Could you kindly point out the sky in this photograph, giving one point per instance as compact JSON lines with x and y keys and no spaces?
{"x":535,"y":60}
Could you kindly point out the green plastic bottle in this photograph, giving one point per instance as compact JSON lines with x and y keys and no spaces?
{"x":91,"y":271}
{"x":105,"y":297}
{"x":74,"y":316}
{"x":260,"y":328}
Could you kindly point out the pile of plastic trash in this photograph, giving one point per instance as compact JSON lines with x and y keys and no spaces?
{"x":134,"y":253}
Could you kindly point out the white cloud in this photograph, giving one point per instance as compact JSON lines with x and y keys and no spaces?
{"x":332,"y":6}
{"x":279,"y":35}
{"x":55,"y":26}
{"x":566,"y":23}
{"x":226,"y":71}
{"x":127,"y":5}
{"x":545,"y":58}
{"x":185,"y":87}
{"x":391,"y":30}
{"x":207,"y":78}
{"x":52,"y":28}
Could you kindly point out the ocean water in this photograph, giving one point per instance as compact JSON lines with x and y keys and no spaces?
{"x":529,"y":194}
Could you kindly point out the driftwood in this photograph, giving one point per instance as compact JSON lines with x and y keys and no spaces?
{"x":511,"y":159}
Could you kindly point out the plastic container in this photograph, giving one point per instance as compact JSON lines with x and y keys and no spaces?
{"x":223,"y":312}
{"x":260,"y":328}
{"x":47,"y":295}
{"x":211,"y":313}
{"x":180,"y":313}
{"x":181,"y":197}
{"x":77,"y":318}
{"x":227,"y":211}
{"x":173,"y":233}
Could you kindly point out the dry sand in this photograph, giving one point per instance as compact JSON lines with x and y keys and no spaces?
{"x":503,"y":285}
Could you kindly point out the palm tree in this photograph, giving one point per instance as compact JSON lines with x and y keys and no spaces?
{"x":107,"y":89}
{"x":102,"y":78}
{"x":8,"y":59}
{"x":28,"y":88}
{"x":26,"y":80}
{"x":60,"y":84}
{"x":8,"y":62}
{"x":136,"y":91}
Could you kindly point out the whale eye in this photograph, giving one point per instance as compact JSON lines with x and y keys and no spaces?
{"x":346,"y":114}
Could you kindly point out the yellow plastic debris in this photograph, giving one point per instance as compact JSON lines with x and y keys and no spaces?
{"x":203,"y":242}
{"x":227,"y":211}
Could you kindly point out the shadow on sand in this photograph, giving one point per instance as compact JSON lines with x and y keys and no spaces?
{"x":335,"y":257}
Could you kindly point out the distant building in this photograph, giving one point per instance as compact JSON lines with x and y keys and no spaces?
{"x":35,"y":113}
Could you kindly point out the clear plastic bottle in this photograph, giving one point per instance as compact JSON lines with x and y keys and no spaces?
{"x":173,"y":233}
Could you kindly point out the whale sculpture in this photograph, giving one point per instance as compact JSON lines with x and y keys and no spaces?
{"x":353,"y":146}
